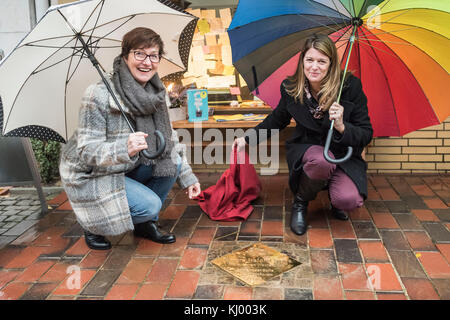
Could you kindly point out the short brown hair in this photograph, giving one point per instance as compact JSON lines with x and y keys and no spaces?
{"x":141,"y":38}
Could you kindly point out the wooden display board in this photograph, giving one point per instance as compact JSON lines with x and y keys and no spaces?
{"x":210,"y":59}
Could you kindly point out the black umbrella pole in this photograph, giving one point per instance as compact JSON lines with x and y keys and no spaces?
{"x":145,"y":153}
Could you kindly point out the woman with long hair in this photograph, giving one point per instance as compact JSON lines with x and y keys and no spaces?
{"x":309,"y":97}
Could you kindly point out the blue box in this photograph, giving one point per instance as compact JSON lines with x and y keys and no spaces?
{"x":197,"y":104}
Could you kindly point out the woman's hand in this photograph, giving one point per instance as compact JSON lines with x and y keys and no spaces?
{"x":136,"y":142}
{"x":336,"y":112}
{"x":194,"y":190}
{"x":239,"y":143}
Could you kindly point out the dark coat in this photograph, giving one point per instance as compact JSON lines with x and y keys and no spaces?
{"x":358,"y":132}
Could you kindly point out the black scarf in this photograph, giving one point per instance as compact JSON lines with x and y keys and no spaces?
{"x":148,"y":107}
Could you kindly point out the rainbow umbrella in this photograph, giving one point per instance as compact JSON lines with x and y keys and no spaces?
{"x":398,"y":48}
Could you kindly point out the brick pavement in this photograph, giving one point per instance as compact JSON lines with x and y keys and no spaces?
{"x":397,"y":246}
{"x":18,"y":212}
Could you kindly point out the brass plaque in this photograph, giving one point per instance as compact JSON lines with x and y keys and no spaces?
{"x":256,"y":264}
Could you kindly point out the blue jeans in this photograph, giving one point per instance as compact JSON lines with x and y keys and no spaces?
{"x":146,"y":193}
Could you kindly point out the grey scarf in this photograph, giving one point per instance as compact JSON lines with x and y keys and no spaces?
{"x":148,"y":107}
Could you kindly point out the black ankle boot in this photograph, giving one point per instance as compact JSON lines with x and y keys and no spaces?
{"x":298,"y":215}
{"x":338,"y":213}
{"x":96,"y":242}
{"x":150,"y":230}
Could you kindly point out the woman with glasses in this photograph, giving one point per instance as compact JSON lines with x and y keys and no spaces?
{"x":112,"y":189}
{"x":309,"y":97}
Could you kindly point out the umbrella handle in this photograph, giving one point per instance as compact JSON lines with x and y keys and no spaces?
{"x":330,"y":131}
{"x":327,"y":147}
{"x":159,"y":151}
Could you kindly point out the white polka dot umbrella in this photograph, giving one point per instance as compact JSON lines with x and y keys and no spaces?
{"x":43,"y":79}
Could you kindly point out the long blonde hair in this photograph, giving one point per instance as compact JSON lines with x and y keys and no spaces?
{"x":330,"y":84}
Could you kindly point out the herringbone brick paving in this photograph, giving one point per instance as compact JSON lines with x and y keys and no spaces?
{"x":397,"y":246}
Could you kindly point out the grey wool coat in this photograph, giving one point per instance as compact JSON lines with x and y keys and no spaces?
{"x":94,"y":162}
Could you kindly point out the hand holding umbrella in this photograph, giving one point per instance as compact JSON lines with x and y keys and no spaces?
{"x":337,"y":115}
{"x":137,"y":143}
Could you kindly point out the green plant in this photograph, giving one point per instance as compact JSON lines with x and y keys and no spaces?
{"x":47,"y":156}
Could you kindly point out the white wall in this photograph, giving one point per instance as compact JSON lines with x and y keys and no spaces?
{"x":16,"y":19}
{"x":15,"y":23}
{"x":41,"y":7}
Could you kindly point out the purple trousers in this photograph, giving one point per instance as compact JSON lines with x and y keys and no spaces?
{"x":342,"y":190}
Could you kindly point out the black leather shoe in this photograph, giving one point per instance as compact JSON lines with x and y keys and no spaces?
{"x":150,"y":230}
{"x":298,"y":215}
{"x":96,"y":242}
{"x":339,"y":214}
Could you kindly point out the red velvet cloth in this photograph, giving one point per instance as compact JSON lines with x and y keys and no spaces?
{"x":230,"y":198}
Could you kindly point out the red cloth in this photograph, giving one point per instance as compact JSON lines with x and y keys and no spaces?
{"x":230,"y":198}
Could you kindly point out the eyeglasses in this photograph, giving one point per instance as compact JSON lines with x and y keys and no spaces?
{"x":141,"y":56}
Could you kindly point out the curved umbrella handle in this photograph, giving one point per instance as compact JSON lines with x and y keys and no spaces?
{"x":327,"y":147}
{"x":157,"y":153}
